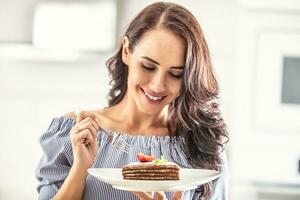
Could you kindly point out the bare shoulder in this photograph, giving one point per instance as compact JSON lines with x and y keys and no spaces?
{"x":105,"y":118}
{"x":70,"y":115}
{"x":100,"y":113}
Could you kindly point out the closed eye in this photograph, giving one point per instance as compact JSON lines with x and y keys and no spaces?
{"x":172,"y":74}
{"x":148,"y":68}
{"x":177,"y":76}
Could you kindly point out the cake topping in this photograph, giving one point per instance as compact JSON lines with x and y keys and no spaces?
{"x":149,"y":158}
{"x":149,"y":168}
{"x":160,"y":161}
{"x":145,"y":158}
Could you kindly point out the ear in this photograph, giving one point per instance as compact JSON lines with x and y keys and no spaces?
{"x":125,"y":50}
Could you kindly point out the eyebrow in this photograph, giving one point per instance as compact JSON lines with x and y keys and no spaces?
{"x":155,"y":62}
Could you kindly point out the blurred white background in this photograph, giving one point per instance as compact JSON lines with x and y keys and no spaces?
{"x":52,"y":61}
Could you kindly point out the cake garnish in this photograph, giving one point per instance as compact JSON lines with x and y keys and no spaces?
{"x":160,"y":161}
{"x":145,"y":158}
{"x":149,"y":168}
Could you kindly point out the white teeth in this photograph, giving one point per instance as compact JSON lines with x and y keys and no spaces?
{"x":152,"y":97}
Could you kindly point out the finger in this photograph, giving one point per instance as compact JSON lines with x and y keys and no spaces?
{"x":74,"y":131}
{"x":83,"y":137}
{"x":160,"y":196}
{"x":85,"y":120}
{"x":95,"y":125}
{"x":89,"y":137}
{"x":91,"y":120}
{"x":90,"y":126}
{"x":177,"y":196}
{"x":86,"y":125}
{"x":144,"y":195}
{"x":90,"y":123}
{"x":84,"y":114}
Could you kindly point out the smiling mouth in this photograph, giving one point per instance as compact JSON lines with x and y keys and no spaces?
{"x":153,"y":98}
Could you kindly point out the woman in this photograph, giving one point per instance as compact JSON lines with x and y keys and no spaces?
{"x":162,"y":100}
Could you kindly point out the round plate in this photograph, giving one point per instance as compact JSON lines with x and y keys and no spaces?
{"x":189,"y":179}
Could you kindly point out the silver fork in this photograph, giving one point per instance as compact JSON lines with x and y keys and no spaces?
{"x":117,"y":142}
{"x":115,"y":139}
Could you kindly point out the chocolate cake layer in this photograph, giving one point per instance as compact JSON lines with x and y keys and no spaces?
{"x":151,"y":171}
{"x":150,"y":174}
{"x":128,"y":171}
{"x":152,"y":178}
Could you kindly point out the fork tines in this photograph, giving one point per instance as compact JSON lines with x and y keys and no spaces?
{"x":122,"y":145}
{"x":118,"y":142}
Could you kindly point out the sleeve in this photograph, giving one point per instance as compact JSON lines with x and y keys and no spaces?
{"x":57,"y":158}
{"x":219,"y":186}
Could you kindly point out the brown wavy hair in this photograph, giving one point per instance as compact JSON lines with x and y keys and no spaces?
{"x":194,"y":116}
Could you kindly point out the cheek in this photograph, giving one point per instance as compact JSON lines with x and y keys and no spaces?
{"x":136,"y":76}
{"x":175,"y":88}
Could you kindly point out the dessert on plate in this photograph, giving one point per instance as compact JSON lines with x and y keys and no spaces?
{"x":149,"y":168}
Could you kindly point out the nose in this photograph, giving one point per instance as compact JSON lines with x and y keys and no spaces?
{"x":157,"y":83}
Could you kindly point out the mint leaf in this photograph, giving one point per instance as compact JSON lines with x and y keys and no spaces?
{"x":160,"y":161}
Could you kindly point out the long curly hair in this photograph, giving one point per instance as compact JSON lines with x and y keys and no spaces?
{"x":194,"y":116}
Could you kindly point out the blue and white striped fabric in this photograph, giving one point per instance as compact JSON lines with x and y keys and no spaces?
{"x":58,"y":159}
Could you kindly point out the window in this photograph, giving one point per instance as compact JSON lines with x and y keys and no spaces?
{"x":291,"y":80}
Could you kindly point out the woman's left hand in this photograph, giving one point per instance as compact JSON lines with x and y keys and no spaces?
{"x":157,"y":195}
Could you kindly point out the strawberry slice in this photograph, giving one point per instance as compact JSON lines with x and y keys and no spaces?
{"x":145,"y":158}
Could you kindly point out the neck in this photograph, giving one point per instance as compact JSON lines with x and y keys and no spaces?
{"x":135,"y":121}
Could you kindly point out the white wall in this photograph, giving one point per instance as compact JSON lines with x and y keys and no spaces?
{"x":16,"y":20}
{"x":265,"y":138}
{"x":32,"y":93}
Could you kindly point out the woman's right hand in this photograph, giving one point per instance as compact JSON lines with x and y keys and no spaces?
{"x":84,"y":139}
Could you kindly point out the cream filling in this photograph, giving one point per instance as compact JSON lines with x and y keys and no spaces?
{"x":149,"y":163}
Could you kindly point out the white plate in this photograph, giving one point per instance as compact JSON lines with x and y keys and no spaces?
{"x":189,"y":179}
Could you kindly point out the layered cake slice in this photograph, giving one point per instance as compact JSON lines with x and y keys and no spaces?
{"x":149,"y":168}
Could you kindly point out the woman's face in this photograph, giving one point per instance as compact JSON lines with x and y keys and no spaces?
{"x":155,"y":69}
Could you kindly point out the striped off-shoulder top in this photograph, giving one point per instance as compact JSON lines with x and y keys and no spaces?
{"x":57,"y":160}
